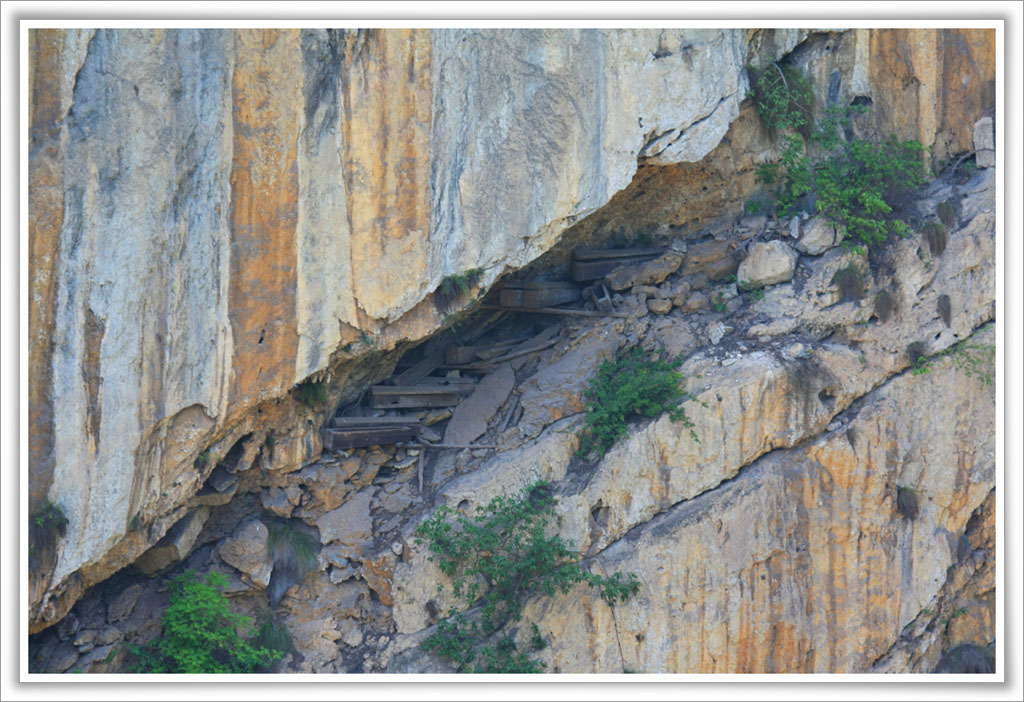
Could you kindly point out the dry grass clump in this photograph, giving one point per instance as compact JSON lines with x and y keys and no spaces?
{"x":937,"y":236}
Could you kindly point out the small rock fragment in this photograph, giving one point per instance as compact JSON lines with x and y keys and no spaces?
{"x":819,"y":236}
{"x":660,"y":306}
{"x":716,"y":330}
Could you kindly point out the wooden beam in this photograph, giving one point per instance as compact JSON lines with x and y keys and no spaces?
{"x":560,"y":310}
{"x":385,"y":397}
{"x":342,"y":439}
{"x":419,"y":371}
{"x":356,"y":422}
{"x":585,"y":253}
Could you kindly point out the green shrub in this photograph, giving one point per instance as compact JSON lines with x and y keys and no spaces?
{"x":202,"y":460}
{"x":496,"y":559}
{"x":631,"y":386}
{"x":854,"y":183}
{"x":974,"y":360}
{"x":858,"y":184}
{"x":45,"y":524}
{"x":721,"y":305}
{"x":916,"y":354}
{"x":200,"y":633}
{"x":454,"y":286}
{"x":783,"y":95}
{"x":311,"y":393}
{"x":49,"y":517}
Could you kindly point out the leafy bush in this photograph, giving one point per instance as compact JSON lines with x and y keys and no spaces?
{"x":50,"y":517}
{"x":756,"y":294}
{"x":918,"y":360}
{"x":974,"y":360}
{"x":631,"y":386}
{"x":200,"y":633}
{"x":496,"y":559}
{"x":854,"y":183}
{"x":858,"y":184}
{"x":783,"y":95}
{"x":45,"y":524}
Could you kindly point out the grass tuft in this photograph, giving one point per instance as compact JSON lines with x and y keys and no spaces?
{"x":293,"y":554}
{"x":885,"y":305}
{"x":936,"y":234}
{"x":311,"y":393}
{"x":945,"y":309}
{"x":907,"y":502}
{"x":946,"y":213}
{"x":850,"y":282}
{"x":967,"y":658}
{"x":453,"y":287}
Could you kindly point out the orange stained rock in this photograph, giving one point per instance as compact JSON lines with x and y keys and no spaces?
{"x":45,"y":219}
{"x":264,"y":214}
{"x":386,"y":122}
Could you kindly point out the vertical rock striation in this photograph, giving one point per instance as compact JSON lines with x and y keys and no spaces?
{"x":217,"y":215}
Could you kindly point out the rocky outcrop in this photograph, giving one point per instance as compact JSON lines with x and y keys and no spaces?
{"x":216,"y":216}
{"x":800,"y":563}
{"x":812,"y":423}
{"x":774,"y":544}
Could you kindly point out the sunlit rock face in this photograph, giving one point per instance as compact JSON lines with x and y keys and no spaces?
{"x":217,"y":215}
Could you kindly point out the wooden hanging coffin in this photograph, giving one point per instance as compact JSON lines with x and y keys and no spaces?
{"x":591,"y":264}
{"x":538,"y":294}
{"x":354,"y":432}
{"x":424,"y":395}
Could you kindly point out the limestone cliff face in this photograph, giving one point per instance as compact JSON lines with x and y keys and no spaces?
{"x":215,"y":216}
{"x":774,"y":543}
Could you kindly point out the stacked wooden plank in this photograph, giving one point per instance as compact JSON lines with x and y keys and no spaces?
{"x":538,"y":294}
{"x":446,"y":393}
{"x":353,"y":432}
{"x":491,"y":357}
{"x":591,"y":264}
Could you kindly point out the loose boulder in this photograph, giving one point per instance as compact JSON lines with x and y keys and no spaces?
{"x":650,"y":273}
{"x":984,"y":143}
{"x":248,"y":551}
{"x":819,"y":235}
{"x":767,"y":264}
